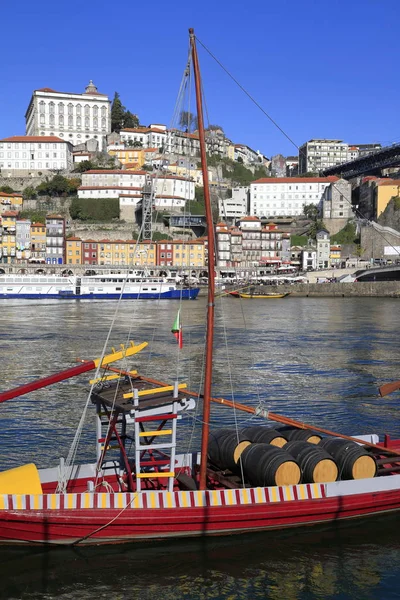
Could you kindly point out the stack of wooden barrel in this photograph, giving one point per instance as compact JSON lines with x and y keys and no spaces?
{"x":264,"y":456}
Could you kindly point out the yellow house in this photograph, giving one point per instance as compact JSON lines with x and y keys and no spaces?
{"x":10,"y":202}
{"x":38,"y":242}
{"x":133,"y":158}
{"x":384,"y":192}
{"x":188,"y":253}
{"x":127,"y":253}
{"x":73,"y":248}
{"x":231,"y":151}
{"x":8,"y":242}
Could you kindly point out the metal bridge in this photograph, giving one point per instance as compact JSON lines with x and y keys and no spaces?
{"x":371,"y":164}
{"x":390,"y":273}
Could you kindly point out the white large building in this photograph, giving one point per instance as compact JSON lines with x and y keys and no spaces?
{"x":317,"y":155}
{"x":72,"y":117}
{"x":23,"y":155}
{"x":111,"y":183}
{"x":286,"y":196}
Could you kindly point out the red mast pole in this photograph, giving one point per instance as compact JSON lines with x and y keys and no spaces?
{"x":211,"y":269}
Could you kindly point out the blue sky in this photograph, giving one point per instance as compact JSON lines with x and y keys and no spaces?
{"x":319,"y":68}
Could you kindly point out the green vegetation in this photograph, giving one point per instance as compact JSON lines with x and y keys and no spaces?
{"x":187,"y":121}
{"x":347,"y":235}
{"x":34,"y":216}
{"x":58,"y":186}
{"x":396,"y":201}
{"x":85,"y":165}
{"x":298,"y":240}
{"x":196,"y":208}
{"x":316,"y":226}
{"x":120,"y":117}
{"x":157,"y":236}
{"x":94,"y":209}
{"x":29,"y":193}
{"x":311,"y":211}
{"x":6,"y":189}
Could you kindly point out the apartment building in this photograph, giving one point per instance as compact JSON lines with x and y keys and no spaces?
{"x":23,"y":155}
{"x":319,"y":154}
{"x":286,"y":196}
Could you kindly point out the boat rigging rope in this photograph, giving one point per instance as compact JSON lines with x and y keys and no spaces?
{"x":345,"y":196}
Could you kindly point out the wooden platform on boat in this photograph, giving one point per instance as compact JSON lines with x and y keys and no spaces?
{"x":113,"y":395}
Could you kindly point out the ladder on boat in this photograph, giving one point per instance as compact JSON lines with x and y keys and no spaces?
{"x":155,"y":439}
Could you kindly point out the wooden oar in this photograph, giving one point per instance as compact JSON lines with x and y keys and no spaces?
{"x":388,"y":388}
{"x":278,"y":418}
{"x":72,"y":372}
{"x":299,"y":424}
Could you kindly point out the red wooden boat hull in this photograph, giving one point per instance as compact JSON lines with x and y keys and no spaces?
{"x":111,"y":525}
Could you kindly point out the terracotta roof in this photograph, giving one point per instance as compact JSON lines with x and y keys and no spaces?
{"x":38,"y":225}
{"x":395,"y":182}
{"x":330,"y":179}
{"x":74,"y":239}
{"x":178,"y":177}
{"x":250,"y":219}
{"x":176,"y":197}
{"x":5,"y":195}
{"x":112,"y":172}
{"x":10,"y":213}
{"x":50,"y":90}
{"x":55,"y":216}
{"x":34,"y":138}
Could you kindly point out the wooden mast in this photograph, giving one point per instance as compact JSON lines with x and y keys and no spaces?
{"x":211,"y":268}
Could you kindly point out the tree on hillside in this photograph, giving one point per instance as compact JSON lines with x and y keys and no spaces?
{"x":311,"y":211}
{"x":130,"y":120}
{"x":84,"y":165}
{"x":187,"y":121}
{"x":215,"y":128}
{"x":117,"y":114}
{"x":6,"y":189}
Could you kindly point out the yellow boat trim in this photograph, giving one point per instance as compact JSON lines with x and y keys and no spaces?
{"x":159,"y":390}
{"x":153,"y":433}
{"x":110,"y":377}
{"x":157,"y":475}
{"x":123,"y":353}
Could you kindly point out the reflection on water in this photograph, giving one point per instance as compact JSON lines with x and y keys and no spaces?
{"x":318,"y":360}
{"x":360,"y":563}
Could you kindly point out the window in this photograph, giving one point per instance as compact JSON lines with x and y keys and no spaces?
{"x":78,"y":109}
{"x":41,"y":107}
{"x":51,"y":108}
{"x":70,"y":109}
{"x":87,"y":110}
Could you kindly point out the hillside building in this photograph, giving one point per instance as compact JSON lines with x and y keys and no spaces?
{"x":72,"y":117}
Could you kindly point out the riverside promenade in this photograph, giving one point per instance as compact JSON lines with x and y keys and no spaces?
{"x":373,"y":289}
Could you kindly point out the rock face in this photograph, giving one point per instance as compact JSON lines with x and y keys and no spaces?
{"x":391,"y":215}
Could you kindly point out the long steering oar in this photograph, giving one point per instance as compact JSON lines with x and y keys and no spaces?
{"x":388,"y":388}
{"x":278,"y":418}
{"x":72,"y":372}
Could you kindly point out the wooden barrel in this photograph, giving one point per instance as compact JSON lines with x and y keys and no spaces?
{"x":353,"y":460}
{"x":225,"y":447}
{"x":317,"y":465}
{"x":296,"y":434}
{"x":265,"y":465}
{"x":267,"y":435}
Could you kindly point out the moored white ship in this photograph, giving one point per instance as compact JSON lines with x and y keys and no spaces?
{"x":109,"y":286}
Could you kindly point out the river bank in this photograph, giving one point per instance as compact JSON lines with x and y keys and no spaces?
{"x":368,"y":289}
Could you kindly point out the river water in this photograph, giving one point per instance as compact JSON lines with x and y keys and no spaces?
{"x":316,"y":360}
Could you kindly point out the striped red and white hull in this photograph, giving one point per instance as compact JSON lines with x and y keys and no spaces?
{"x":96,"y":518}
